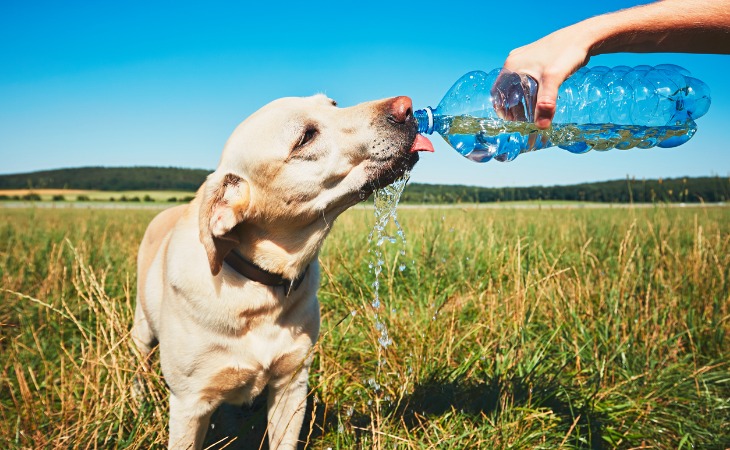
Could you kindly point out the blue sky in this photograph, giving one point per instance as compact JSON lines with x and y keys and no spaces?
{"x":164,"y":83}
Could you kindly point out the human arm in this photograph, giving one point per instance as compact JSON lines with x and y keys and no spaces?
{"x":684,"y":26}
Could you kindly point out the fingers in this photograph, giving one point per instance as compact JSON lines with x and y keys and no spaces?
{"x":508,"y":96}
{"x":498,"y":98}
{"x":547,"y":97}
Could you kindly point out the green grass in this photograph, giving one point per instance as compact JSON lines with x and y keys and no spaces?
{"x":542,"y":328}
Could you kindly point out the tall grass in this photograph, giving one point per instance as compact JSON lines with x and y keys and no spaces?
{"x":512,"y":329}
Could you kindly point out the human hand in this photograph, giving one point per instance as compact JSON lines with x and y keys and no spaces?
{"x":549,"y":61}
{"x":514,"y":96}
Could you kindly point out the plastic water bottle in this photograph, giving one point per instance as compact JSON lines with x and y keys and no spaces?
{"x":598,"y":108}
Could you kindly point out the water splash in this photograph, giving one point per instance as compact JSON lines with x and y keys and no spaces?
{"x":386,"y":206}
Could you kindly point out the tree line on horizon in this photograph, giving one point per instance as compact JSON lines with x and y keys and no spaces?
{"x":109,"y":179}
{"x":672,"y":190}
{"x":688,"y":190}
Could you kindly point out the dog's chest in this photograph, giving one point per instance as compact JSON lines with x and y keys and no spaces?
{"x":242,"y":367}
{"x":241,"y":337}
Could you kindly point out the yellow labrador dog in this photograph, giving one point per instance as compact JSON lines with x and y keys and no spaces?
{"x":227,"y":284}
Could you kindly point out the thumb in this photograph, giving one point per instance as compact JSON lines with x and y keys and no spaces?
{"x":547,"y":97}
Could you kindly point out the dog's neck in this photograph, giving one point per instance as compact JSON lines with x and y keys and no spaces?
{"x":281,"y":251}
{"x":255,"y":273}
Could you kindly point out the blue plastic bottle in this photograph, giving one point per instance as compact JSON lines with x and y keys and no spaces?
{"x":598,"y":108}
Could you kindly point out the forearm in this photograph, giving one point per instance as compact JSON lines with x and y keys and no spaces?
{"x":683,"y":26}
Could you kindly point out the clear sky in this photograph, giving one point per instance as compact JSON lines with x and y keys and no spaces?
{"x":164,"y":83}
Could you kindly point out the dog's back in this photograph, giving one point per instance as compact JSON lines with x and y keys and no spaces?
{"x":156,"y":234}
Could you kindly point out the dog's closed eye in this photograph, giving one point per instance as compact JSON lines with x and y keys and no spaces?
{"x":308,"y":136}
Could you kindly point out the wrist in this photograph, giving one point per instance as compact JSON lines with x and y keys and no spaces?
{"x":601,"y":34}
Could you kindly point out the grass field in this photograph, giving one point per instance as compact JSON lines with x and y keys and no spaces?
{"x":72,"y":195}
{"x":575,"y":328}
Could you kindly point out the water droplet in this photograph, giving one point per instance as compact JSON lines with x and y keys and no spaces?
{"x":374,"y":384}
{"x":385,"y":341}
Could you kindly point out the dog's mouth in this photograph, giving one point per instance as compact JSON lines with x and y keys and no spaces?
{"x":389,"y":171}
{"x":383,"y":172}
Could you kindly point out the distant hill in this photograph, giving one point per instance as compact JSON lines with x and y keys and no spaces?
{"x":688,"y":190}
{"x":109,"y":179}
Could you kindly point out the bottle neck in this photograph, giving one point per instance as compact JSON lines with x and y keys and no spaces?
{"x":424,"y":117}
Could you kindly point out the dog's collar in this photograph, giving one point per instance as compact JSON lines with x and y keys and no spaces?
{"x":255,"y":273}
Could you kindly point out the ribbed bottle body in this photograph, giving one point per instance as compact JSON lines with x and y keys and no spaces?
{"x":488,"y":116}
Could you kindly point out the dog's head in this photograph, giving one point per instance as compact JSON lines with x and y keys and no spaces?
{"x":293,"y":166}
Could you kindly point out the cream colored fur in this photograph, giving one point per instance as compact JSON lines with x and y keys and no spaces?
{"x":285,"y":175}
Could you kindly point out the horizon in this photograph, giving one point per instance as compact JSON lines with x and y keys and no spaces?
{"x":409,"y":182}
{"x":164,"y":85}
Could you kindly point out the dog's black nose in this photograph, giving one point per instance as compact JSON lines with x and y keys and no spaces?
{"x":401,"y":109}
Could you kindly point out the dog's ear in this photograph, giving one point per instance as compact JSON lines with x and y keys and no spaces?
{"x":225,"y":202}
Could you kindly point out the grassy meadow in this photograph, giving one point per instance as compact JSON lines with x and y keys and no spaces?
{"x":512,"y":329}
{"x":84,"y":195}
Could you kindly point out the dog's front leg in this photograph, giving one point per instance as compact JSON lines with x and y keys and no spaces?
{"x":286,"y":405}
{"x":188,"y":424}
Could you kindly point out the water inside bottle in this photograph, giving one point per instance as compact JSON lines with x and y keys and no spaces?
{"x":484,"y":139}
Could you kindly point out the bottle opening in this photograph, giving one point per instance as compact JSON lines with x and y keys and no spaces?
{"x":424,"y":117}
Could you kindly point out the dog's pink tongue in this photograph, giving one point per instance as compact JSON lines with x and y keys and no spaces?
{"x":421,"y":144}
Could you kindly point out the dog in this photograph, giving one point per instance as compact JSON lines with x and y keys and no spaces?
{"x":227,"y":284}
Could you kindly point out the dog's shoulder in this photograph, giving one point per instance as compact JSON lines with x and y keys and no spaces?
{"x":157,"y":232}
{"x":162,"y":224}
